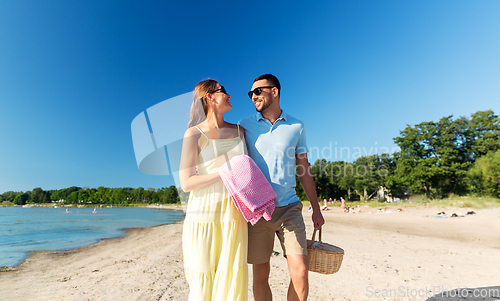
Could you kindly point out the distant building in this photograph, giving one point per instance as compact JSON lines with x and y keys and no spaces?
{"x":383,"y":194}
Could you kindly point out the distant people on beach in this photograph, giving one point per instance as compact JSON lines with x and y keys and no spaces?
{"x":325,"y":205}
{"x":462,"y":214}
{"x":383,"y":210}
{"x":347,"y":209}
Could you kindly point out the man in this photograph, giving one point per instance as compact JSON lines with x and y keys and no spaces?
{"x":277,"y":143}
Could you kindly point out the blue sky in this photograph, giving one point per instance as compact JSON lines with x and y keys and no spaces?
{"x":74,"y":74}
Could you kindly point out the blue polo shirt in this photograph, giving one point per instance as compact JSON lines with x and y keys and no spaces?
{"x":273,"y":148}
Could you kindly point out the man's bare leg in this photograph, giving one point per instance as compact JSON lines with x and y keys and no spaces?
{"x":299,"y":280}
{"x":261,"y":288}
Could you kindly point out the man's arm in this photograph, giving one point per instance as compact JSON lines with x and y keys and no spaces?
{"x":306,"y":180}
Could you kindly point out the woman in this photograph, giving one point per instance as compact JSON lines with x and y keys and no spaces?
{"x":214,"y":237}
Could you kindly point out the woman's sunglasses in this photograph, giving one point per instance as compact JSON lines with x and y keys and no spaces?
{"x":257,"y":91}
{"x":221,"y":89}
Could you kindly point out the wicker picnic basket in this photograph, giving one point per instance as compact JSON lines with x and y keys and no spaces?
{"x":322,"y":257}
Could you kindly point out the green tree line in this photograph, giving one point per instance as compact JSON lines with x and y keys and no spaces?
{"x":100,"y":195}
{"x":436,"y":159}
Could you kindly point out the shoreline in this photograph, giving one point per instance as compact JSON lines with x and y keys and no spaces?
{"x":47,"y":205}
{"x":383,"y":252}
{"x":32,"y":255}
{"x":44,"y":255}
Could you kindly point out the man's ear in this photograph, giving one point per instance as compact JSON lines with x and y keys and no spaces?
{"x":275,"y":92}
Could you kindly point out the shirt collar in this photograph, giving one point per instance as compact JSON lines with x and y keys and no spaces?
{"x":283,"y":116}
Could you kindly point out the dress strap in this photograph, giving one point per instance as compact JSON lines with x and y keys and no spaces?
{"x":213,"y":140}
{"x":238,"y":130}
{"x":203,"y":135}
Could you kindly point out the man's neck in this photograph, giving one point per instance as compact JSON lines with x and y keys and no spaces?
{"x":272,"y":115}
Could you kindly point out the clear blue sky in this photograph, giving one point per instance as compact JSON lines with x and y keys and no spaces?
{"x":74,"y":74}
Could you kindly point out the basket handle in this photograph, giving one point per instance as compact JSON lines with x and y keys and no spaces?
{"x":311,"y":246}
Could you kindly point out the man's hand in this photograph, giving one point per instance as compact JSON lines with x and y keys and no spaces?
{"x":307,"y":182}
{"x":317,"y":219}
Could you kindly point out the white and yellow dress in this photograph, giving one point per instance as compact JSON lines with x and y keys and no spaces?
{"x":215,"y":234}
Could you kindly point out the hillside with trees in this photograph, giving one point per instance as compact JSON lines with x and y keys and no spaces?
{"x":101,"y":195}
{"x":437,"y":159}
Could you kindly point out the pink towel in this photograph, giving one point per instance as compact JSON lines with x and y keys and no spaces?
{"x":251,"y":192}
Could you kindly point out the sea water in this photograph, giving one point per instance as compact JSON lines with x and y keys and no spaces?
{"x":52,"y":229}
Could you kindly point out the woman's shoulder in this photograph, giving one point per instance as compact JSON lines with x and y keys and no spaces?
{"x":192,"y":131}
{"x":231,"y":125}
{"x":236,"y":127}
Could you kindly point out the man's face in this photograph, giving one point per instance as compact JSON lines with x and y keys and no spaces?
{"x":265,"y":99}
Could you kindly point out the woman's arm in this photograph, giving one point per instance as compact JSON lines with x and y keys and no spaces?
{"x":189,"y":156}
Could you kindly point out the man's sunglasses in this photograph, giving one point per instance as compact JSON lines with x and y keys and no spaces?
{"x":221,"y":89}
{"x":257,"y":91}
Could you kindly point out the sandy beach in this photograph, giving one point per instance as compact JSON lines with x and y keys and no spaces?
{"x":408,"y":255}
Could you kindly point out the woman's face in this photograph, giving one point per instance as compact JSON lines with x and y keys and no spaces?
{"x":221,"y":99}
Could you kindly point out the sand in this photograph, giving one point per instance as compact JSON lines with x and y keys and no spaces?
{"x":408,"y":255}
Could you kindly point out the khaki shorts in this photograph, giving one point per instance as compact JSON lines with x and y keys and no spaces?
{"x":288,"y":224}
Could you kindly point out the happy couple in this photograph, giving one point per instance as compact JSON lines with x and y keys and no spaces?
{"x":217,"y":240}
